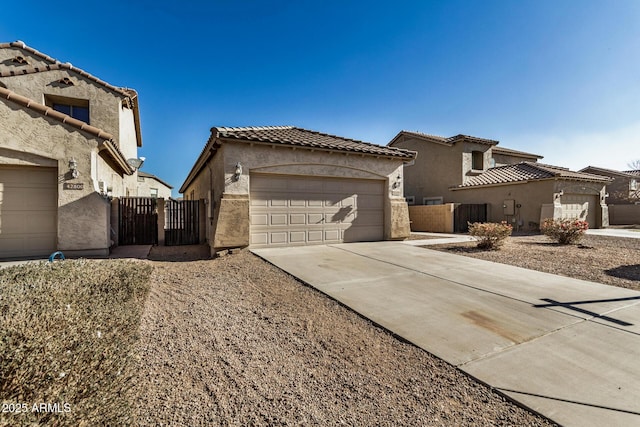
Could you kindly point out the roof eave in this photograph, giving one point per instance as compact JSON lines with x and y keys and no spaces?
{"x":410,"y":155}
{"x":209,"y":150}
{"x":117,"y":156}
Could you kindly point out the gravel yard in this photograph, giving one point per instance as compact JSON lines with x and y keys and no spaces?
{"x":610,"y":260}
{"x":235,"y":341}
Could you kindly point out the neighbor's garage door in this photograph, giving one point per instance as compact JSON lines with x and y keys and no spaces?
{"x":294,"y":210}
{"x":28,"y":207}
{"x":580,"y":206}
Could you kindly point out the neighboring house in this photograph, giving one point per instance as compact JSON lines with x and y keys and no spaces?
{"x":152,"y":186}
{"x":625,"y":188}
{"x":68,"y":142}
{"x":283,"y":185}
{"x":470,"y":170}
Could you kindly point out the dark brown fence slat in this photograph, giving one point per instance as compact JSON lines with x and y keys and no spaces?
{"x":182,"y":222}
{"x":466,"y":213}
{"x":138,"y":221}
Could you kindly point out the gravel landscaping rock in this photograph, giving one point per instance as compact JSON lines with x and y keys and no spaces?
{"x":235,"y":341}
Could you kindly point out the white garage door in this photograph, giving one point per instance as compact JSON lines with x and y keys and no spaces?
{"x":293,"y":210}
{"x":580,"y":206}
{"x":28,"y":211}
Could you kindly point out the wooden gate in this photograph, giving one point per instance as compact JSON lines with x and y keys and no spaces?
{"x":182,"y":219}
{"x":466,"y":213}
{"x":138,"y":221}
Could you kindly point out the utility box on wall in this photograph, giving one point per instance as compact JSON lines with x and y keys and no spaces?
{"x":509,"y":207}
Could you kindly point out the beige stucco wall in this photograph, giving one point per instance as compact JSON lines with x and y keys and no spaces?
{"x":105,"y":106}
{"x":439,"y":167}
{"x":231,"y":196}
{"x":145,"y":184}
{"x":502,"y":159}
{"x":28,"y":138}
{"x":531,"y":196}
{"x":619,"y":190}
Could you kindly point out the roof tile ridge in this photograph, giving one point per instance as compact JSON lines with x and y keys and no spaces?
{"x":50,"y":112}
{"x":358,"y":141}
{"x":428,"y":135}
{"x":64,"y":65}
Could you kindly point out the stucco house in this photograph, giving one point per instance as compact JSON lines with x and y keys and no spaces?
{"x":514,"y":185}
{"x":284,"y":185}
{"x":68,"y":142}
{"x":625,"y":187}
{"x":151,"y":186}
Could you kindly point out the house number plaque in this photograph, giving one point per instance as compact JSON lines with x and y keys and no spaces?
{"x":73,"y":186}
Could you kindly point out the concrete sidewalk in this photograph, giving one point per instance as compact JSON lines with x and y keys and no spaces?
{"x":615,"y":232}
{"x":566,"y":348}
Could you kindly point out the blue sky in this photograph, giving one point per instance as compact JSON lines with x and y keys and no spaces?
{"x":557,"y":78}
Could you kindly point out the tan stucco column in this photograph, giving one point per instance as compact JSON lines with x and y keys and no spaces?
{"x":400,"y":227}
{"x":232,"y":228}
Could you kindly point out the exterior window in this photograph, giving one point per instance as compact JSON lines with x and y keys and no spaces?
{"x":633,"y":185}
{"x":80,"y":113}
{"x":76,"y":108}
{"x":154,"y":193}
{"x":477,"y":160}
{"x":432,"y":200}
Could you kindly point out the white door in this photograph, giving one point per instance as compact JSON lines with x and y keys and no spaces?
{"x":28,"y":211}
{"x":580,"y":206}
{"x":305,"y":210}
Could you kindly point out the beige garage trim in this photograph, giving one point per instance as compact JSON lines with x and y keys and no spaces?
{"x":305,"y":210}
{"x":28,"y":211}
{"x":581,"y":206}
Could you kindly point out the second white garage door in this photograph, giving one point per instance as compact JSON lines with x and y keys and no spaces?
{"x":294,"y":210}
{"x":580,"y":206}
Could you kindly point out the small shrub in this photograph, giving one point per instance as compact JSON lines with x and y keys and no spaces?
{"x":564,"y":231}
{"x":490,"y":235}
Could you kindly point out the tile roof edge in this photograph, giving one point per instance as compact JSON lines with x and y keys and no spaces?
{"x":512,"y":151}
{"x":63,"y":118}
{"x":407,"y":153}
{"x":442,"y":139}
{"x":67,"y":65}
{"x":613,"y":171}
{"x":130,"y":93}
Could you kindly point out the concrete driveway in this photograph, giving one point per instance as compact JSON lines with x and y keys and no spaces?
{"x":566,"y":348}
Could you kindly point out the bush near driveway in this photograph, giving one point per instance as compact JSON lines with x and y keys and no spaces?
{"x":564,"y":231}
{"x":68,"y":330}
{"x":490,"y":235}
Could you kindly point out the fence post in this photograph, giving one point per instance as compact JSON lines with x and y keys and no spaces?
{"x":160,"y":207}
{"x":114,"y":231}
{"x":202,"y":219}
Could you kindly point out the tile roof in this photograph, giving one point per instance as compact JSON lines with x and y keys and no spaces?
{"x":444,"y":140}
{"x":598,"y":170}
{"x":128,"y":93}
{"x":108,"y":142}
{"x":503,"y":150}
{"x":528,"y":171}
{"x":57,"y":65}
{"x":294,"y":136}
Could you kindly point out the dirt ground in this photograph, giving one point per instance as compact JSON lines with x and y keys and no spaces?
{"x":235,"y":341}
{"x":610,"y":260}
